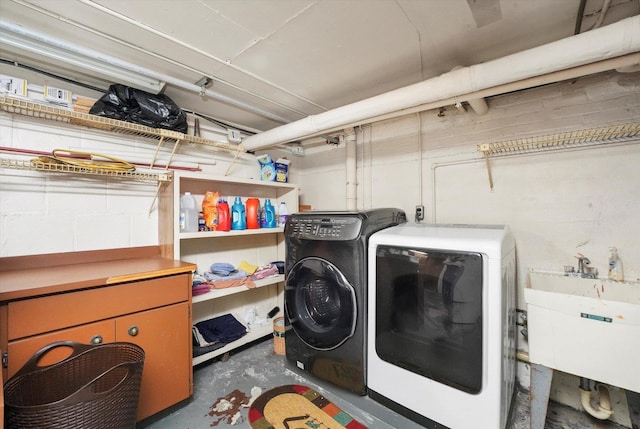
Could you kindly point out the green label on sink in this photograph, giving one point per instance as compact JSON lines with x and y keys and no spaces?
{"x":595,"y":317}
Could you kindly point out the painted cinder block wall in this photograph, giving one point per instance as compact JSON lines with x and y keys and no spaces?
{"x":556,"y":203}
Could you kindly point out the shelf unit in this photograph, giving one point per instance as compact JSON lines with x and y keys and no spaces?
{"x":38,"y":110}
{"x":255,"y":246}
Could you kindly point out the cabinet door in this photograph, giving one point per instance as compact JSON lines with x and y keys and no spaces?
{"x":165,"y":335}
{"x":21,"y":350}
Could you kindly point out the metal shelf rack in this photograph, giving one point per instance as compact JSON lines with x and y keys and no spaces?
{"x":35,"y":165}
{"x":38,"y":110}
{"x":611,"y":134}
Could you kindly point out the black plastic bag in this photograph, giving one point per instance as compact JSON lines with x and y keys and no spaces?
{"x":133,"y":105}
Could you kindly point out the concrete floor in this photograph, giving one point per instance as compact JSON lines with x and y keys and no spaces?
{"x":222,"y":388}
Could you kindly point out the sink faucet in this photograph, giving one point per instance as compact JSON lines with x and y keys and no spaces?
{"x":584,"y":267}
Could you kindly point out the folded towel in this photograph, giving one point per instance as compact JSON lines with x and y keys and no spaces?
{"x":200,"y":289}
{"x":247,"y":267}
{"x":212,"y":277}
{"x":223,"y":284}
{"x":265,"y":271}
{"x":222,"y":268}
{"x":225,"y":329}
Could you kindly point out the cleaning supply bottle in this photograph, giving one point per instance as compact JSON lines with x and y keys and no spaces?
{"x":210,"y":211}
{"x":283,"y":214}
{"x":224,"y":220}
{"x":269,"y":214}
{"x":188,"y":213}
{"x":238,"y":215}
{"x":615,"y":266}
{"x":253,"y":213}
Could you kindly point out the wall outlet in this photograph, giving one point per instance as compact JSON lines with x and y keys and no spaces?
{"x":419,"y":213}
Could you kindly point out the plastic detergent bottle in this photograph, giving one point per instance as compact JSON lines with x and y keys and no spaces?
{"x":224,"y":221}
{"x":238,"y":215}
{"x":615,"y":266}
{"x":188,"y":213}
{"x":269,"y":214}
{"x":253,"y":213}
{"x":283,"y":214}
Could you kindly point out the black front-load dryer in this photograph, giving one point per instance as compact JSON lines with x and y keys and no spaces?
{"x":326,"y":290}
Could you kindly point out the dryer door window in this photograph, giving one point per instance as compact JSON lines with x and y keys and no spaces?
{"x":320,"y":303}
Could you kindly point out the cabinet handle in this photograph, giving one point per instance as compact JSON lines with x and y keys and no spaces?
{"x":96,"y":339}
{"x":133,"y":330}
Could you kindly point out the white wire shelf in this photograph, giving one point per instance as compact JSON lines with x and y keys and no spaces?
{"x":610,"y":134}
{"x":43,"y":111}
{"x":35,"y":165}
{"x":587,"y":137}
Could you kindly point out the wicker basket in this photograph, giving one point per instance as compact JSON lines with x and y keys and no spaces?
{"x":96,"y":387}
{"x":278,"y":336}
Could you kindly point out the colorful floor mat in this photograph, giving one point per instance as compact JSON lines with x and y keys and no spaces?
{"x":298,"y":407}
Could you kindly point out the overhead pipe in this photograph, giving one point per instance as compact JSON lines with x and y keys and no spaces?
{"x":46,"y":42}
{"x":620,"y":38}
{"x":479,"y":105}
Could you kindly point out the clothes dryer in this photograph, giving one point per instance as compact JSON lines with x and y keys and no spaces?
{"x":326,"y":292}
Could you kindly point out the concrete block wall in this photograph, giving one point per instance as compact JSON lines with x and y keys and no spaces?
{"x":58,"y":212}
{"x":556,"y":203}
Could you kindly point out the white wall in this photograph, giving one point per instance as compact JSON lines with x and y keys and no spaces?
{"x":556,"y":203}
{"x":54,"y":212}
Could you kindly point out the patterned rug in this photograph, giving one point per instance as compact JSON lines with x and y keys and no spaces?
{"x":296,"y":407}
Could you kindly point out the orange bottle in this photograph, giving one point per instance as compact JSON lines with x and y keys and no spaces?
{"x":253,"y":213}
{"x":224,"y":218}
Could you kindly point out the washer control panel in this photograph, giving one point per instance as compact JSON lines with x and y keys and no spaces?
{"x":324,"y":228}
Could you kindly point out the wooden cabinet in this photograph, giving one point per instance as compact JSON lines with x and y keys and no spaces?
{"x":254,"y":246}
{"x":153,"y":312}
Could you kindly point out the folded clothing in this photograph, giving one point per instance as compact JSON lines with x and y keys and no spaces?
{"x":222,"y":269}
{"x":199,"y":289}
{"x":224,"y":329}
{"x":247,"y":267}
{"x":238,"y":274}
{"x":223,"y":284}
{"x":265,"y":271}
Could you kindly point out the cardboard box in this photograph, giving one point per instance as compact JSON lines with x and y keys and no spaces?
{"x":282,"y":170}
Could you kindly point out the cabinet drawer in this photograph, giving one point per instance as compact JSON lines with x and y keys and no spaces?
{"x":49,"y":313}
{"x":20,"y":351}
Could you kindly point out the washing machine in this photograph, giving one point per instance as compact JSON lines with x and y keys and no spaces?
{"x":325,"y":292}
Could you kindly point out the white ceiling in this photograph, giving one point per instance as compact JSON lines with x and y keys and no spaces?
{"x":282,"y":60}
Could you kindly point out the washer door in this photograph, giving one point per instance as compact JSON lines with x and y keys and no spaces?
{"x":320,"y":303}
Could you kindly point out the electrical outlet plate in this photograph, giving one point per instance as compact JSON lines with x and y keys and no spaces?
{"x":297,"y":150}
{"x":419,"y":213}
{"x":234,"y":136}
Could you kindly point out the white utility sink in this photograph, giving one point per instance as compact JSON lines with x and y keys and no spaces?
{"x":586,"y":327}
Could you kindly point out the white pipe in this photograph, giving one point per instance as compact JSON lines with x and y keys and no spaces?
{"x":45,"y":45}
{"x":603,"y":409}
{"x":479,"y":105}
{"x":351,"y":169}
{"x":626,"y":62}
{"x":610,"y":41}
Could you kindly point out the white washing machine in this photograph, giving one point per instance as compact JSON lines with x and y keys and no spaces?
{"x":442,"y":323}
